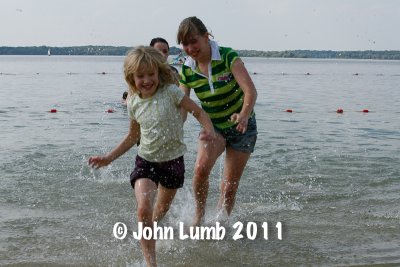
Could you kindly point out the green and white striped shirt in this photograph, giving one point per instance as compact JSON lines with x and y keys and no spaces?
{"x":219,"y":94}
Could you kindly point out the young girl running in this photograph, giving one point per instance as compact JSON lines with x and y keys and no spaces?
{"x":154,"y":103}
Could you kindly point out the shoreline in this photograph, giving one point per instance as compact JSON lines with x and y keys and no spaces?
{"x":122,"y":50}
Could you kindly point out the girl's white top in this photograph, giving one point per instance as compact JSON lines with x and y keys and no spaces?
{"x":161,"y":125}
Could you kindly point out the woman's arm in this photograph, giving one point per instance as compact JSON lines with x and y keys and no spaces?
{"x":245,"y":82}
{"x":127,"y":142}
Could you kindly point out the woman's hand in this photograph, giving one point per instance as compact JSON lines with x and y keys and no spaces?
{"x":241,"y":121}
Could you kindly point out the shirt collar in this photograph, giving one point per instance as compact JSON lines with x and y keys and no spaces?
{"x":215,"y":55}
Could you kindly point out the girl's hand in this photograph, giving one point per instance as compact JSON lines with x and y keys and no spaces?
{"x":99,"y":161}
{"x":207,"y":135}
{"x":241,"y":121}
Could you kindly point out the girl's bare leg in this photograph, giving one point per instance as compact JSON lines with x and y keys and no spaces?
{"x":145,"y":192}
{"x":163,"y":202}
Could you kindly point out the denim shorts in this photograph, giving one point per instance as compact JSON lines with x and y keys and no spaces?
{"x":243,"y":142}
{"x":169,"y":174}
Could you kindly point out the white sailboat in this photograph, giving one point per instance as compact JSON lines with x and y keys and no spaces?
{"x":48,"y":52}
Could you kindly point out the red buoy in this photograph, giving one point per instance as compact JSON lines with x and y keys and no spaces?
{"x":110,"y":110}
{"x":289,"y":110}
{"x":53,"y":110}
{"x":365,"y":110}
{"x":340,"y":111}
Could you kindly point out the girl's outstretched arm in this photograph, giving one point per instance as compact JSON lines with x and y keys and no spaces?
{"x":190,"y":106}
{"x":127,"y":142}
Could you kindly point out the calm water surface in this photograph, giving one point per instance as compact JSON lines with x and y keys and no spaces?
{"x":332,"y":180}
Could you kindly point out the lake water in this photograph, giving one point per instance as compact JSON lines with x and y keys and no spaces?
{"x":332,"y":180}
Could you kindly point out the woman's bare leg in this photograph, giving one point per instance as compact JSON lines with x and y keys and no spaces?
{"x":235,"y":162}
{"x":207,"y":154}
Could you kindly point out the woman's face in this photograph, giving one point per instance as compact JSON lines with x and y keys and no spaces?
{"x":196,"y":46}
{"x":163,"y":48}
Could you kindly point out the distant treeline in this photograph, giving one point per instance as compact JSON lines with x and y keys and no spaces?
{"x":368,"y":54}
{"x":122,"y":50}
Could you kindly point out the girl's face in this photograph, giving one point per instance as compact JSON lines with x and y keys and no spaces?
{"x":146,"y":81}
{"x":196,"y":46}
{"x":163,"y":48}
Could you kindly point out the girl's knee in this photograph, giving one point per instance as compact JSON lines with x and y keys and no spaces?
{"x":163,"y":208}
{"x":144,"y":212}
{"x":202,"y":170}
{"x":230,"y":186}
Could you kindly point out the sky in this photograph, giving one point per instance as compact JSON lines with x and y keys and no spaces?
{"x":268,"y":25}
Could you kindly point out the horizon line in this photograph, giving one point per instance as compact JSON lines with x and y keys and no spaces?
{"x":119,"y":46}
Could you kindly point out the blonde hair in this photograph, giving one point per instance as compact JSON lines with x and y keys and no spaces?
{"x":147,"y":58}
{"x":190,"y":27}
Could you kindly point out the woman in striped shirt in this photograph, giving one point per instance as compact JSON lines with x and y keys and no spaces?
{"x":228,"y":95}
